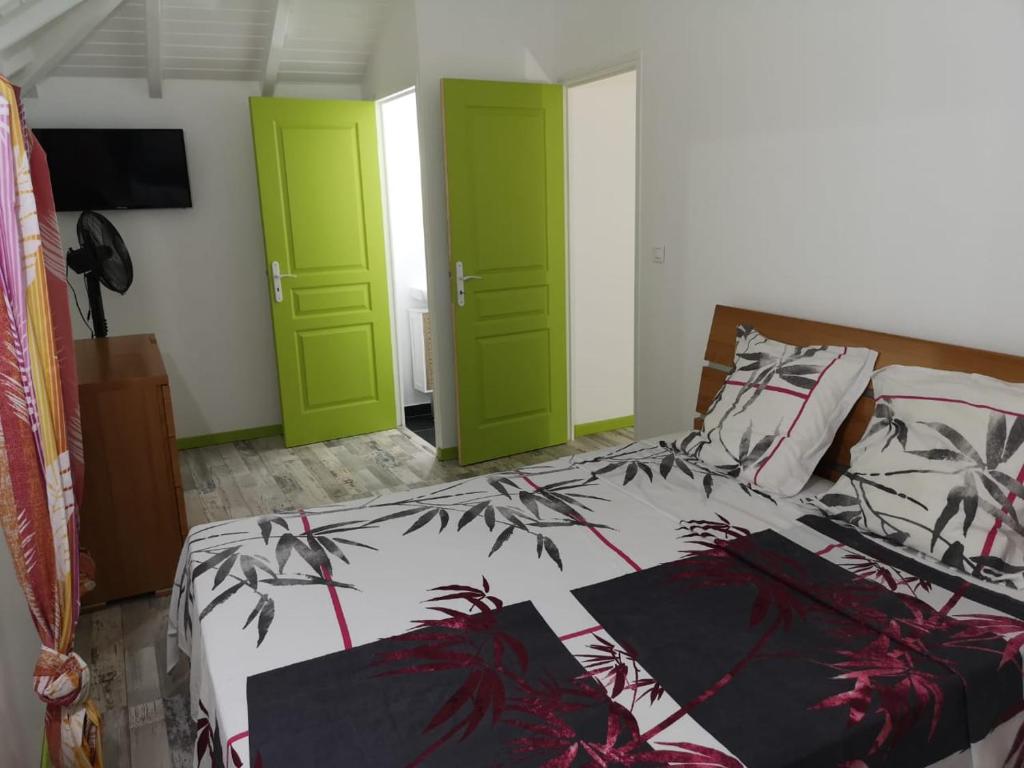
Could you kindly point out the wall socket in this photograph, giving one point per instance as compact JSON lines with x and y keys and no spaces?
{"x":659,"y":254}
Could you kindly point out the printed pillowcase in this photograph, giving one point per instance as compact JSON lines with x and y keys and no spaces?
{"x":941,"y":469}
{"x":780,"y":409}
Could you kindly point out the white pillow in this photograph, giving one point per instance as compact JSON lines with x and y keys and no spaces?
{"x":780,"y":409}
{"x":941,"y":469}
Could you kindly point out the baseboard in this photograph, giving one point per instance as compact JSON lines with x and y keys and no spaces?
{"x":447,"y":454}
{"x":605,"y":425}
{"x":219,"y":438}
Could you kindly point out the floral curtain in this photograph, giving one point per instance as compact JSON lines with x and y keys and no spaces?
{"x":40,"y":436}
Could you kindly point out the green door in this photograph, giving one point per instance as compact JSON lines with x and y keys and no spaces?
{"x":322,"y":222}
{"x":504,"y":148}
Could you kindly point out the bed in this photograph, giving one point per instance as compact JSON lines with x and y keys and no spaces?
{"x":626,"y":607}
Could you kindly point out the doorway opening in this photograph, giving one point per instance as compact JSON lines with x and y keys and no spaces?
{"x":601,"y":121}
{"x":403,"y":203}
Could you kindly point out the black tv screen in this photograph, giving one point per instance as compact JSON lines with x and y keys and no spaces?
{"x":106,"y":169}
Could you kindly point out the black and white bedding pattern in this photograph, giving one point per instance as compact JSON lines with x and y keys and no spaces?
{"x":779,"y":409}
{"x":941,"y":469}
{"x":631,"y":607}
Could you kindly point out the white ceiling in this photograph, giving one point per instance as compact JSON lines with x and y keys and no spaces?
{"x":307,"y":41}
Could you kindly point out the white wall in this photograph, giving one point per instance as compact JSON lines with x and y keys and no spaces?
{"x":601,"y":180}
{"x":395,"y":62}
{"x":200,"y":282}
{"x":401,"y":150}
{"x":21,"y":713}
{"x":855,"y":162}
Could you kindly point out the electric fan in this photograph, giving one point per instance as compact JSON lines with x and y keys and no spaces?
{"x":102,"y":258}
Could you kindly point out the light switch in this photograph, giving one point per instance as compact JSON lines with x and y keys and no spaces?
{"x":659,"y":254}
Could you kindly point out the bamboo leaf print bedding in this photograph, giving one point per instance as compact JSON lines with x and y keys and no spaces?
{"x":941,"y":469}
{"x":779,"y":409}
{"x":629,"y":607}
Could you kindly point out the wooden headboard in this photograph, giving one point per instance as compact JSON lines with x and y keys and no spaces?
{"x":891,"y":350}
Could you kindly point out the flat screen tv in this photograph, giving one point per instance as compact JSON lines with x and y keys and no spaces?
{"x":108,"y":169}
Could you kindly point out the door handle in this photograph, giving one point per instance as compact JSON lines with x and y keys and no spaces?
{"x":276,"y":275}
{"x":460,"y":283}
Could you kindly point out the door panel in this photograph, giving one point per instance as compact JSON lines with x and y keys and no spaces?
{"x":325,"y":235}
{"x":501,"y":357}
{"x":322,"y":222}
{"x":504,"y":145}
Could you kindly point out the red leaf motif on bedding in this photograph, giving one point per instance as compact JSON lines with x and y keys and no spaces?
{"x":722,"y":565}
{"x":886,"y":681}
{"x":696,"y":756}
{"x":709,"y":534}
{"x":550,"y":741}
{"x":620,"y":671}
{"x":208,"y":739}
{"x":872,"y":570}
{"x":467,"y":636}
{"x":1004,"y":626}
{"x":882,"y":673}
{"x":461,"y":640}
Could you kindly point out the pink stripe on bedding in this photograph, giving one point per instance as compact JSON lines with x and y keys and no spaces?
{"x":800,"y":413}
{"x":339,"y":614}
{"x":580,"y":633}
{"x":237,"y":737}
{"x":990,"y":540}
{"x":604,"y":539}
{"x":953,"y":401}
{"x":770,"y":388}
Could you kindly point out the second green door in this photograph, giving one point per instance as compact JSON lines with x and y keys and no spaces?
{"x":504,"y":148}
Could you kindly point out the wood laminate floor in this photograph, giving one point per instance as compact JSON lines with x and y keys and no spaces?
{"x":145,"y":708}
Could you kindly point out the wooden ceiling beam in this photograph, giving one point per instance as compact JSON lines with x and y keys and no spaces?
{"x":275,"y":48}
{"x":153,"y":70}
{"x":26,"y":19}
{"x":61,"y":38}
{"x":14,"y":60}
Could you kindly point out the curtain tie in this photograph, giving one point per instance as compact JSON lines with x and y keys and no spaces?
{"x":61,"y":679}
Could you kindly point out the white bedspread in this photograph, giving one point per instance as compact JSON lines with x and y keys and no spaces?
{"x":257,"y":594}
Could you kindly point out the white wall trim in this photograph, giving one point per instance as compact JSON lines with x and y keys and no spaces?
{"x":395,"y":95}
{"x":638,"y":238}
{"x":389,"y":264}
{"x":630,"y":63}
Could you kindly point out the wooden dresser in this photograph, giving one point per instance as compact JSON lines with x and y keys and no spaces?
{"x":133,"y":514}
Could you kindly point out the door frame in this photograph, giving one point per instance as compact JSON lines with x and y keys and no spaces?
{"x":632,"y":63}
{"x":389,"y":253}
